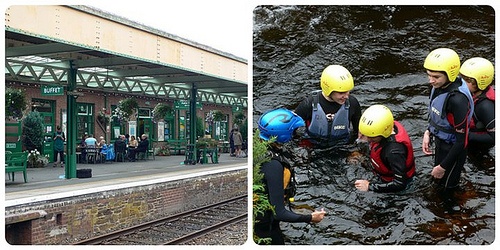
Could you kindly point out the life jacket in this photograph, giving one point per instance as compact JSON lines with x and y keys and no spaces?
{"x":289,"y":182}
{"x":475,"y":125}
{"x":380,"y":169}
{"x":439,"y":124}
{"x":328,"y":133}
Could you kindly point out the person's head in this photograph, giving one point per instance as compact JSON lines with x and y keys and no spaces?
{"x":376,"y":123}
{"x":442,"y":66}
{"x":132,"y":138}
{"x":280,"y":123}
{"x":336,"y":82}
{"x":144,"y":136}
{"x":478,"y":73}
{"x":58,"y":127}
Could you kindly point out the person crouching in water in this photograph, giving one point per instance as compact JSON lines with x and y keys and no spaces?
{"x":391,"y":151}
{"x":278,"y":180}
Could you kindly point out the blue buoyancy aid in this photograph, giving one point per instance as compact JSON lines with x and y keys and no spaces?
{"x":439,"y":125}
{"x":327,"y":132}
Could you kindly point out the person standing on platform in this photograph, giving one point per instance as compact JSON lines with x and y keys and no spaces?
{"x":59,"y":139}
{"x":238,"y":141}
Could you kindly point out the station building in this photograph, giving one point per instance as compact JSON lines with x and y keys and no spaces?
{"x":83,"y":58}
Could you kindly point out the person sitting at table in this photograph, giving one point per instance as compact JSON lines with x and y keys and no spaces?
{"x":142,"y":147}
{"x":120,"y":148}
{"x":132,"y":143}
{"x":81,"y":147}
{"x":101,"y":142}
{"x":91,"y":141}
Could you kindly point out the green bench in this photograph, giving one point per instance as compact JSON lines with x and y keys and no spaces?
{"x":177,"y":145}
{"x":16,"y":162}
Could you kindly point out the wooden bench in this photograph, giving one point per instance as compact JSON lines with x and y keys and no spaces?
{"x":16,"y":162}
{"x":177,"y":145}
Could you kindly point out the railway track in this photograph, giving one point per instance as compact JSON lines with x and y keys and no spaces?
{"x":179,"y":228}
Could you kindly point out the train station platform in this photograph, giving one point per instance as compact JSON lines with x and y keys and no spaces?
{"x":49,"y":182}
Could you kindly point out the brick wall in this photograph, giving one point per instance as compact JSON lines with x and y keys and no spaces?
{"x":68,"y":220}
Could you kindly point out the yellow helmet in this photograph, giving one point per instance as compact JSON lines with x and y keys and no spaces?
{"x":443,"y":59}
{"x":377,"y":120}
{"x":480,"y":69}
{"x":336,"y":78}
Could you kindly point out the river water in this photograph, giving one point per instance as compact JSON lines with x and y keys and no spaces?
{"x":384,"y":48}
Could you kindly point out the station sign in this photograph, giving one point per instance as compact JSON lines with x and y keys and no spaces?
{"x":52,"y":90}
{"x":184,"y":104}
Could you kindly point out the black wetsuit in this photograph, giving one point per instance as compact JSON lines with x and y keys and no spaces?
{"x":267,"y":226}
{"x":394,"y":155}
{"x":305,"y":110}
{"x":451,"y":156}
{"x":482,"y":136}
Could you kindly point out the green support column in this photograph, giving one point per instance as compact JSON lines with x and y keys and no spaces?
{"x":70,"y":170}
{"x":192,"y":121}
{"x":192,"y":118}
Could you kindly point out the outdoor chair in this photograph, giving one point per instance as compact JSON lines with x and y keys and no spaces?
{"x":92,"y":154}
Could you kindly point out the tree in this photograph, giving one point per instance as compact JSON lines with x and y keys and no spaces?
{"x":15,"y":102}
{"x":32,"y":135}
{"x":260,"y":199}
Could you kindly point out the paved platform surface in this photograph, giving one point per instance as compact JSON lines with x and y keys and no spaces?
{"x":50,"y":180}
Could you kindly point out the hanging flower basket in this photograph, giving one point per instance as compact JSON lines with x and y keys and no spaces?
{"x":218,"y":116}
{"x":125,"y":109}
{"x":103,"y":118}
{"x":160,"y":111}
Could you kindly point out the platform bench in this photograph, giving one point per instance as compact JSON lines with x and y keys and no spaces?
{"x":16,"y":162}
{"x":177,"y":145}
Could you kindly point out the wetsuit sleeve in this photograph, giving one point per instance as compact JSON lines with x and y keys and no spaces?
{"x":304,"y":109}
{"x":485,"y":112}
{"x":354,"y":114}
{"x":273,"y":174}
{"x":457,"y":109}
{"x":394,"y":156}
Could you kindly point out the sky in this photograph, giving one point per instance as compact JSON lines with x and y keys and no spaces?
{"x":222,"y":25}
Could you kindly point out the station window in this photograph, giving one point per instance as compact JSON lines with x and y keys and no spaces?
{"x":85,"y":119}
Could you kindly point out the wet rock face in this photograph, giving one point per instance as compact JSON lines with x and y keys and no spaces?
{"x":384,"y":48}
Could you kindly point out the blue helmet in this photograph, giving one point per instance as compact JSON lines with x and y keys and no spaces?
{"x":280,"y":123}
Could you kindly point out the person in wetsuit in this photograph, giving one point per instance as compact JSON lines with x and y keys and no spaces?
{"x":278,"y":176}
{"x":450,"y":113}
{"x":332,"y":114}
{"x":391,"y":151}
{"x":478,"y":73}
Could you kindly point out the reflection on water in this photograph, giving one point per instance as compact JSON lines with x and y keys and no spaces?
{"x":384,"y":48}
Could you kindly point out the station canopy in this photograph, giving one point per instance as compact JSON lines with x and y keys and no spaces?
{"x":36,"y":59}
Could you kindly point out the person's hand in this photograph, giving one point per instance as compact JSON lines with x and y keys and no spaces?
{"x":317,"y":216}
{"x":362,"y":185}
{"x":426,"y":143}
{"x":438,"y":172}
